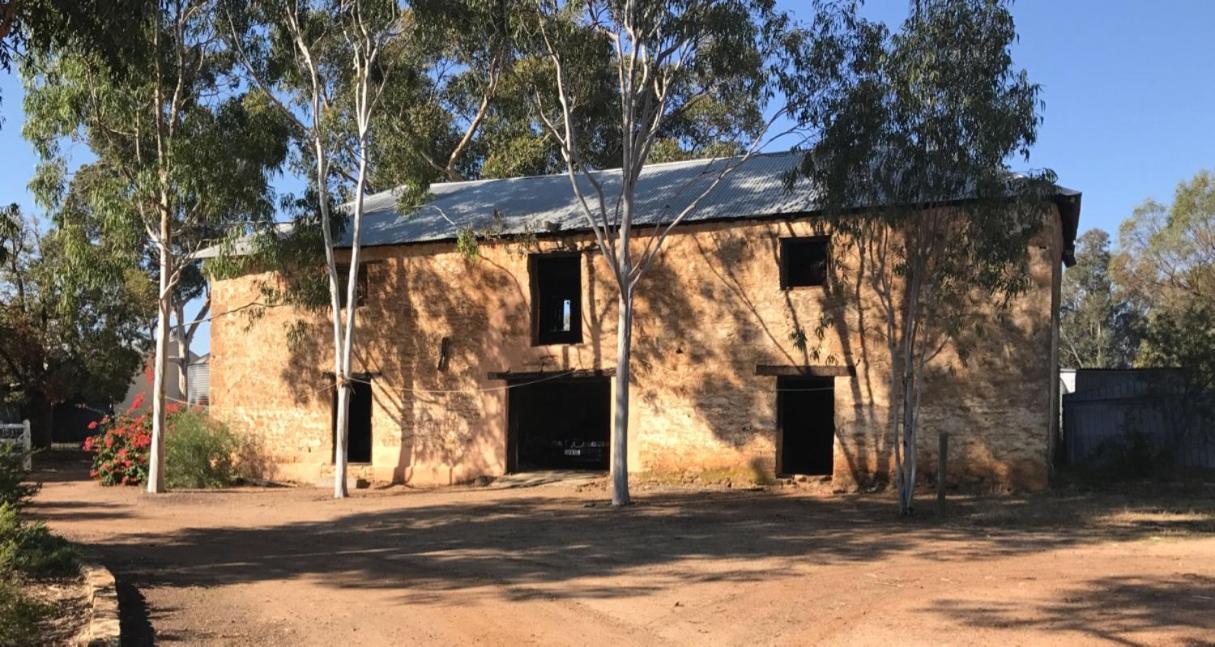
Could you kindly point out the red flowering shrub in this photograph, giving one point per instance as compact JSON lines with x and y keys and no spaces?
{"x":201,"y":450}
{"x":120,"y":451}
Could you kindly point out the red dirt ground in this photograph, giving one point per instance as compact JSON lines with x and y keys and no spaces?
{"x":542,"y":566}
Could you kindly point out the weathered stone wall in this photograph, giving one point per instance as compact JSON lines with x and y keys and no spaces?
{"x":709,"y":312}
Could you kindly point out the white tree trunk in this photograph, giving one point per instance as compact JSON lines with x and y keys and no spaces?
{"x":341,"y":429}
{"x":345,"y":385}
{"x":909,"y":388}
{"x":156,"y":456}
{"x":183,"y":352}
{"x":620,"y":428}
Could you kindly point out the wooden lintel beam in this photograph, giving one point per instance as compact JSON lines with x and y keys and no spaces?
{"x":537,"y":375}
{"x":818,"y":370}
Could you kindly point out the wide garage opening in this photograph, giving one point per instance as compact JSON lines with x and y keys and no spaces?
{"x":562,"y":423}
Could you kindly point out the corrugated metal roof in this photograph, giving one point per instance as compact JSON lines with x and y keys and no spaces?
{"x":546,"y":203}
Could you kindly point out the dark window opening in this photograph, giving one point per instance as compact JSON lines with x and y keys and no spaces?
{"x":556,"y":298}
{"x":358,"y":438}
{"x":559,"y":424}
{"x":803,"y":261}
{"x":360,"y":291}
{"x":805,"y":417}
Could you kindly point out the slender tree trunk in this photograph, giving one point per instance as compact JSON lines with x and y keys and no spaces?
{"x":345,"y":385}
{"x":183,"y":352}
{"x":908,"y":388}
{"x":892,"y":416}
{"x":620,"y":430}
{"x":342,"y":425}
{"x":156,"y":477}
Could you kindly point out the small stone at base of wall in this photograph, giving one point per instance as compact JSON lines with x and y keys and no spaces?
{"x":104,"y":628}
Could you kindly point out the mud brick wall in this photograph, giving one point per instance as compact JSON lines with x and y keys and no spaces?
{"x":710,"y":311}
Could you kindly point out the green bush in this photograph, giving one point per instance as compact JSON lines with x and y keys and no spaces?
{"x":29,"y":548}
{"x":13,"y":490}
{"x":19,"y":615}
{"x":199,"y":452}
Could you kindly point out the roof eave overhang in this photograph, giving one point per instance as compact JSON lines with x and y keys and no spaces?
{"x":1068,"y":202}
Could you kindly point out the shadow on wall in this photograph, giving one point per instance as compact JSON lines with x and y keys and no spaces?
{"x":716,"y":317}
{"x":724,"y":312}
{"x":429,"y":416}
{"x":709,"y":311}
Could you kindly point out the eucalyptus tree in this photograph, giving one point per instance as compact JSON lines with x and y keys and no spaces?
{"x":327,"y":67}
{"x":179,"y":155}
{"x":913,"y":133}
{"x":667,"y":60}
{"x":62,"y":339}
{"x":1166,"y":255}
{"x":381,"y":95}
{"x":1165,"y":269}
{"x":95,"y":26}
{"x":1098,"y":325}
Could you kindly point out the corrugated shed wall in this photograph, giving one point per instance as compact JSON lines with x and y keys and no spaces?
{"x":1112,"y":409}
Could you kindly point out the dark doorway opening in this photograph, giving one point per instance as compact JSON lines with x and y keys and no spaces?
{"x":805,"y":415}
{"x":358,"y":440}
{"x":559,"y":424}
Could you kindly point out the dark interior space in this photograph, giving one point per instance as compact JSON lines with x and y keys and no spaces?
{"x":806,"y":419}
{"x":358,"y":440}
{"x":70,"y":420}
{"x":559,"y":424}
{"x":556,"y":298}
{"x":803,"y":261}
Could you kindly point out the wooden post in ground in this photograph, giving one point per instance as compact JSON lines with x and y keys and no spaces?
{"x":27,"y":444}
{"x":942,"y":460}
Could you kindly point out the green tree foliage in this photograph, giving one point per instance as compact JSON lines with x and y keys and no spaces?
{"x":912,"y":121}
{"x":181,"y":153}
{"x":96,"y":26}
{"x":62,"y":338}
{"x":1166,"y":253}
{"x":328,"y":69}
{"x":1098,"y":326}
{"x":1166,"y":268}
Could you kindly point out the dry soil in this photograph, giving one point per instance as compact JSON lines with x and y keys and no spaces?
{"x":555,"y":565}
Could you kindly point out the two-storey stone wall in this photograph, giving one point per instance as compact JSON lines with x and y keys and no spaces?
{"x":711,"y":311}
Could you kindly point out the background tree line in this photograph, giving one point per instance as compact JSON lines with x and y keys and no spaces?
{"x":1151,"y":301}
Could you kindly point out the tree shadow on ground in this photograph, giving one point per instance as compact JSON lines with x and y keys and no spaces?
{"x":1113,"y":609}
{"x":523,"y":546}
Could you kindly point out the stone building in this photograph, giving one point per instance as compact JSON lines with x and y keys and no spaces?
{"x":756,"y":350}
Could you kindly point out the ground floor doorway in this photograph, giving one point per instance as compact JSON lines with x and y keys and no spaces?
{"x":358,"y":439}
{"x":805,"y":418}
{"x":562,"y":423}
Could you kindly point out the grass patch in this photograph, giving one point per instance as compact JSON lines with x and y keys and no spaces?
{"x":29,"y":548}
{"x":19,"y":615}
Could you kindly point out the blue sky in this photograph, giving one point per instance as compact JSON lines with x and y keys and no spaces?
{"x":1129,"y":88}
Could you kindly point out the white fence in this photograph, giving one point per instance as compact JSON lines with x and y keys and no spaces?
{"x":19,"y":435}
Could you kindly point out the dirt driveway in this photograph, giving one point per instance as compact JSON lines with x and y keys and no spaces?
{"x":543,"y":566}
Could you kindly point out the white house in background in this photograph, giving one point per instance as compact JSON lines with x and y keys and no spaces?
{"x":197,"y":372}
{"x":199,"y":383}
